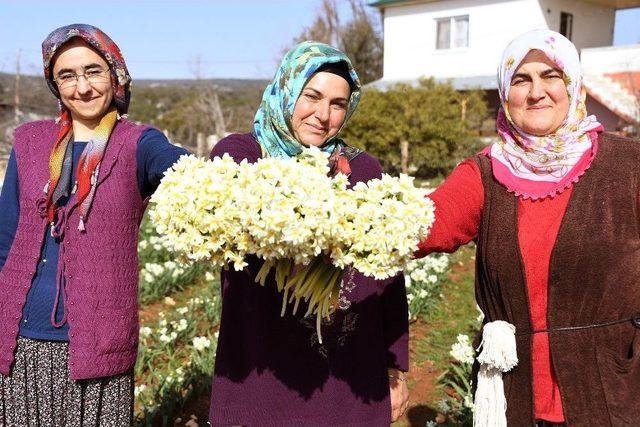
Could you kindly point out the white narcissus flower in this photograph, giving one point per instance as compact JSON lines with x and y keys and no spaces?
{"x":182,"y":325}
{"x":200,"y":343}
{"x":221,"y":211}
{"x":139,"y":389}
{"x":462,"y":350}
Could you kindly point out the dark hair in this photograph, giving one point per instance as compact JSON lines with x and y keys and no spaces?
{"x":339,"y":69}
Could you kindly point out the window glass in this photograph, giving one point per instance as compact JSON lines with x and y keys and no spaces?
{"x":461,"y":32}
{"x":444,"y":34}
{"x":566,"y":24}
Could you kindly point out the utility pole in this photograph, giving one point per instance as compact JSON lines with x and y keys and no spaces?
{"x":16,"y":99}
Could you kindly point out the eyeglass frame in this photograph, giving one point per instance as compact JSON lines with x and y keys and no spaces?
{"x":74,"y":83}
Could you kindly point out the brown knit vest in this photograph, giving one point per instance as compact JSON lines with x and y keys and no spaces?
{"x":594,"y":278}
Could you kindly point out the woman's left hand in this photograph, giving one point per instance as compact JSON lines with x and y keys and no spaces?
{"x":399,"y":393}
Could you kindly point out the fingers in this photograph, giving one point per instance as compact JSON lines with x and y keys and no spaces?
{"x":398,"y":411}
{"x":399,"y":396}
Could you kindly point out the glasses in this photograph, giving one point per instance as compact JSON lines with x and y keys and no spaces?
{"x":93,"y":76}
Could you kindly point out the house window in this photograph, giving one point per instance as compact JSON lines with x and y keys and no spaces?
{"x":452,"y":32}
{"x":566,"y":24}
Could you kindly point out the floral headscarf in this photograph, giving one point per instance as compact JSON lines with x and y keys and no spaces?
{"x":96,"y":38}
{"x":60,"y":162}
{"x":272,"y":123}
{"x":540,"y":166}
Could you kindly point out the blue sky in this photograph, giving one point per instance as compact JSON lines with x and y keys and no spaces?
{"x":164,"y":38}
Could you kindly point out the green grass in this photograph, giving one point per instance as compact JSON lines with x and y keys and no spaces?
{"x":455,"y":314}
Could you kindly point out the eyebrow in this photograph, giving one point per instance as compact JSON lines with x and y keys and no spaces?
{"x":84,"y":68}
{"x":551,"y":71}
{"x":317,"y":92}
{"x":543,"y":74}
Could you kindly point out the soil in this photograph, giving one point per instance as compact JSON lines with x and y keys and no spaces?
{"x":422,"y":381}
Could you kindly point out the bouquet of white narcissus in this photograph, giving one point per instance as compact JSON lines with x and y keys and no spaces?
{"x":383,"y":222}
{"x":196,"y":211}
{"x":305,"y":225}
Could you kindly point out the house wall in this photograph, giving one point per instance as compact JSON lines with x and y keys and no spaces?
{"x":592,"y":24}
{"x":615,"y":59}
{"x":410,"y":33}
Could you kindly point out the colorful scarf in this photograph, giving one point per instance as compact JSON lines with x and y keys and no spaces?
{"x":272,"y":123}
{"x":120,"y":78}
{"x":60,"y":159}
{"x":542,"y":166}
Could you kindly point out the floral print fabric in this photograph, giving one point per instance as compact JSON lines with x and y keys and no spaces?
{"x":540,"y":166}
{"x":272,"y":123}
{"x":120,"y":78}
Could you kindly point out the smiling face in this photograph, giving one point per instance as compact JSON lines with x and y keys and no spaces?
{"x":538,"y":98}
{"x":321,"y":109}
{"x":87,"y":101}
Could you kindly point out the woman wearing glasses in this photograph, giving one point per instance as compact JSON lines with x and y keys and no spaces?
{"x":70,"y":209}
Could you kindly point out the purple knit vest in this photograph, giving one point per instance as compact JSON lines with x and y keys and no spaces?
{"x":100,"y":265}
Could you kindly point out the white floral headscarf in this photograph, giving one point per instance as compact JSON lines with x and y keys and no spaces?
{"x":539,"y":166}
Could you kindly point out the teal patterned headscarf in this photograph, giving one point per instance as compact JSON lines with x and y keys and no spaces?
{"x":272,"y":123}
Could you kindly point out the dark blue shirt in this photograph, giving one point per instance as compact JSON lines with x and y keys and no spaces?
{"x":154,"y":155}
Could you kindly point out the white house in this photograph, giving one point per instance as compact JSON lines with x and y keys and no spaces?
{"x":461,"y":41}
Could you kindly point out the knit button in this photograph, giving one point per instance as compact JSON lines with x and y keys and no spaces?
{"x":72,"y":335}
{"x":72,"y":363}
{"x":66,"y":243}
{"x":71,"y":319}
{"x":102,"y":316}
{"x":44,"y":261}
{"x":73,"y":351}
{"x":13,"y":332}
{"x":69,"y":277}
{"x":68,"y":260}
{"x":67,"y":227}
{"x":71,"y":303}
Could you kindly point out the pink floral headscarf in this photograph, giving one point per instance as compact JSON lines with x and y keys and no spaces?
{"x":542,"y":166}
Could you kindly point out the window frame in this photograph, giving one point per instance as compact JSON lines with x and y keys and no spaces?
{"x":566,"y":18}
{"x":452,"y":32}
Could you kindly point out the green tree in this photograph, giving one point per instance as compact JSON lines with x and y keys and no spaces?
{"x":433,"y":124}
{"x":360,"y":37}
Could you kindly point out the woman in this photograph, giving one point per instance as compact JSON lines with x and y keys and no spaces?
{"x":553,"y":208}
{"x":272,"y":370}
{"x":71,"y":204}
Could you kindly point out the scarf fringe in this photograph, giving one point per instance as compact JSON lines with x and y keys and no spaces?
{"x":498,"y":355}
{"x":519,"y":188}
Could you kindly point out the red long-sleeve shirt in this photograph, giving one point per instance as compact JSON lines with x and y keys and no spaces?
{"x":459,"y":202}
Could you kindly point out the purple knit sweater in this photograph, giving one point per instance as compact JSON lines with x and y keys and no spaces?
{"x":271,"y":370}
{"x":100,"y":266}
